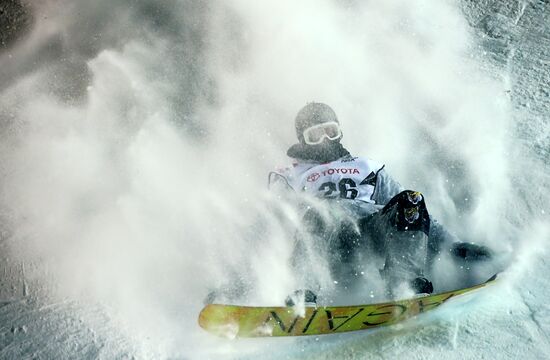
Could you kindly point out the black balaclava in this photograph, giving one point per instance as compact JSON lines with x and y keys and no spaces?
{"x":329,"y":150}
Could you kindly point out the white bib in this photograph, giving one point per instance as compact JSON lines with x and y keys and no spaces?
{"x":348,"y":178}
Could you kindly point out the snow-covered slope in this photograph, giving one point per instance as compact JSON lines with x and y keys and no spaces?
{"x":135,"y":139}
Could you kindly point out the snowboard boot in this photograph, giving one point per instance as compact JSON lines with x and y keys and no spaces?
{"x":308,"y":296}
{"x":421,"y":285}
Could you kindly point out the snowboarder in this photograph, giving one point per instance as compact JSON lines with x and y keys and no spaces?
{"x":353,"y":209}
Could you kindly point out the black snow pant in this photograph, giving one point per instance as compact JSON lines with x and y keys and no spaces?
{"x":399,"y":233}
{"x":350,"y":237}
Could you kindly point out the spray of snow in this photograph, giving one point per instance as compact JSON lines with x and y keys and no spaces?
{"x":134,"y":157}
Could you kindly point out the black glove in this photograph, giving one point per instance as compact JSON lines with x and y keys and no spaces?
{"x":471,"y":251}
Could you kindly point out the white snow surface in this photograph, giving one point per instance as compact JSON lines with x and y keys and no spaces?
{"x":136,"y":137}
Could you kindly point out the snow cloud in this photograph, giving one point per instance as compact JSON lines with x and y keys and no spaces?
{"x":137,"y":136}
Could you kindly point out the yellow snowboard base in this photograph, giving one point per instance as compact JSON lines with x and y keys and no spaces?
{"x":245,"y":321}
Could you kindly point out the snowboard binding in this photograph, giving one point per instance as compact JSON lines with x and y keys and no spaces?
{"x":308,"y":296}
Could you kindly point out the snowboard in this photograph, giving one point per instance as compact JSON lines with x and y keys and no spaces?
{"x":246,"y":321}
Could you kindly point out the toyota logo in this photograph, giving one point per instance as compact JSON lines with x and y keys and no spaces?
{"x":313,"y":177}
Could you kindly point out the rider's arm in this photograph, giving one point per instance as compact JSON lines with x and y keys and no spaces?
{"x":387,"y":187}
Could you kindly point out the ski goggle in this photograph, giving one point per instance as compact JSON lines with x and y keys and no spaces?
{"x":317,"y":133}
